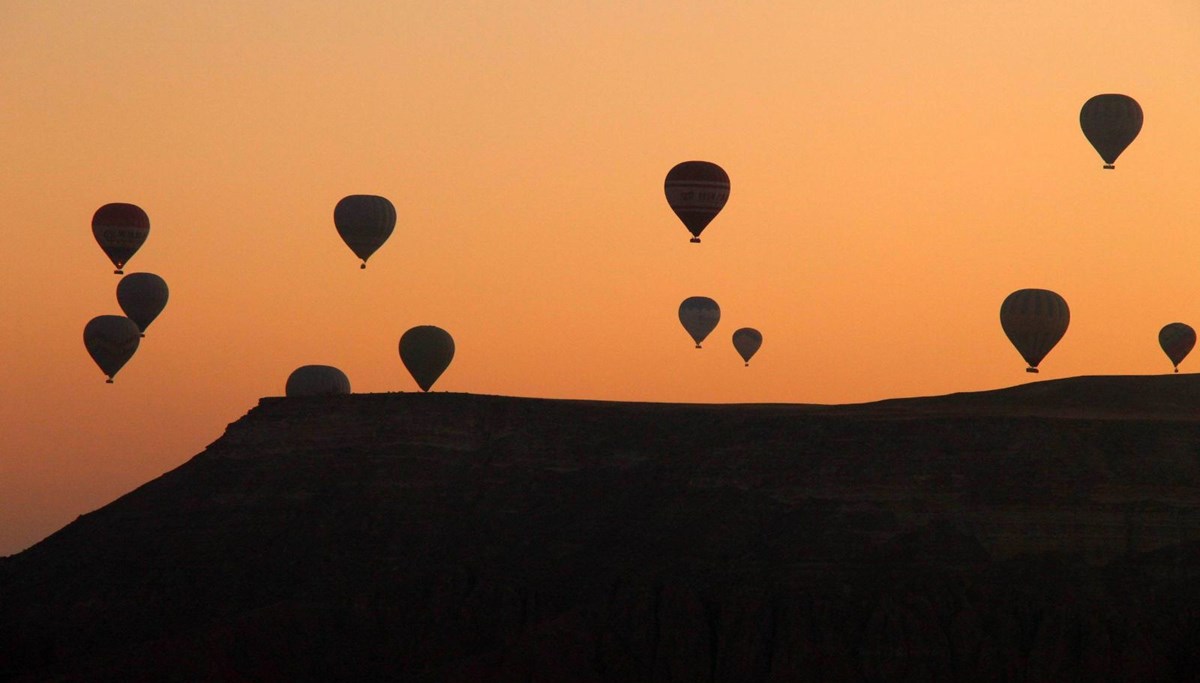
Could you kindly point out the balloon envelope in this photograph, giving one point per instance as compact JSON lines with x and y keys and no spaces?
{"x":426,"y":351}
{"x":142,"y":296}
{"x":747,"y":341}
{"x":120,"y":230}
{"x":696,"y":192}
{"x":111,"y":341}
{"x":317,"y":380}
{"x":699,"y":316}
{"x":1110,"y":122}
{"x":1177,"y":340}
{"x":365,"y":222}
{"x":1034,"y":321}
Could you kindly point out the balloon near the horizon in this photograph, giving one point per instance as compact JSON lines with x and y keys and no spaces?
{"x":1110,"y":122}
{"x":747,"y":341}
{"x":365,"y":222}
{"x":1034,"y":321}
{"x":1177,"y":341}
{"x":699,"y":316}
{"x":317,"y":380}
{"x":142,"y":296}
{"x":120,"y":230}
{"x":696,"y":192}
{"x":426,"y":351}
{"x":111,"y":341}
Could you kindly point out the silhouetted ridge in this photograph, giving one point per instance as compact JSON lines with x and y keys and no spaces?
{"x":1049,"y":531}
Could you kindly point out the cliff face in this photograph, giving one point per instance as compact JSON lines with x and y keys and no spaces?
{"x":1049,"y":532}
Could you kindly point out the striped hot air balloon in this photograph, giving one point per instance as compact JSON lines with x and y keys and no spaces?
{"x":696,"y":192}
{"x":1110,"y":122}
{"x":1177,"y":341}
{"x":699,"y":316}
{"x":364,"y":222}
{"x":1034,"y":321}
{"x":120,"y":230}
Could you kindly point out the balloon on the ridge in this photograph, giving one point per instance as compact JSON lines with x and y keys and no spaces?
{"x":696,"y":192}
{"x":426,"y":351}
{"x":1177,"y":341}
{"x":364,"y":222}
{"x":120,"y":230}
{"x":142,"y":296}
{"x":747,"y":341}
{"x":699,"y":316}
{"x":111,"y":341}
{"x":1110,"y":122}
{"x":1034,"y":321}
{"x":317,"y":380}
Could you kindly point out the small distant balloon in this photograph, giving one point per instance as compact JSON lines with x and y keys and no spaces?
{"x":1110,"y":122}
{"x":696,"y":192}
{"x":365,"y":222}
{"x":747,"y":341}
{"x":1034,"y":321}
{"x":111,"y":341}
{"x":142,"y":296}
{"x":426,"y":351}
{"x":699,"y":316}
{"x":1177,"y":341}
{"x":317,"y":380}
{"x":120,"y":230}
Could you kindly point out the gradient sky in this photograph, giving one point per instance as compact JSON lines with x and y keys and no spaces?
{"x":898,"y":167}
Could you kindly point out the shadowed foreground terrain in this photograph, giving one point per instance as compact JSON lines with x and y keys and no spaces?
{"x":1048,"y":532}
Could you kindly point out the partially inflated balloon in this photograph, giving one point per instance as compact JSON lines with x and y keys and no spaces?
{"x":1034,"y":320}
{"x":365,"y":222}
{"x":111,"y":341}
{"x":1177,"y":340}
{"x":317,"y":380}
{"x":1110,"y":122}
{"x":696,"y":192}
{"x":426,"y":351}
{"x":142,"y":296}
{"x":747,"y":341}
{"x":120,"y":230}
{"x":699,"y":315}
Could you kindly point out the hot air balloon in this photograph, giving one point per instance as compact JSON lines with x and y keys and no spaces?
{"x":1110,"y":122}
{"x":111,"y":341}
{"x":142,"y":296}
{"x":426,"y":351}
{"x":1177,"y":340}
{"x":365,"y":222}
{"x":1034,"y":320}
{"x":699,"y":315}
{"x":120,"y":229}
{"x":747,"y":340}
{"x":317,"y":380}
{"x":697,"y":191}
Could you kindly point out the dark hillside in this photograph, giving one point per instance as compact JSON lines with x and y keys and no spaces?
{"x":1048,"y":532}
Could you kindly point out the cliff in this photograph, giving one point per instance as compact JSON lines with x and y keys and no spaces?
{"x":1048,"y":532}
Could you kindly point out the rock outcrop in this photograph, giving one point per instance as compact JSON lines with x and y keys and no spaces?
{"x":1049,"y":532}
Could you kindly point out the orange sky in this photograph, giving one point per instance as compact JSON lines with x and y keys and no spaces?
{"x":898,"y":167}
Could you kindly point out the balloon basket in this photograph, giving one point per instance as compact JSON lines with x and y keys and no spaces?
{"x":695,"y":240}
{"x":118,"y":272}
{"x":1109,"y":166}
{"x":108,"y":381}
{"x":747,"y":365}
{"x":363,"y":266}
{"x":1033,"y":370}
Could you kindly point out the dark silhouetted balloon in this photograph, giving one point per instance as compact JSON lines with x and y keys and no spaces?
{"x":111,"y":341}
{"x":699,"y":315}
{"x":317,"y":380}
{"x":1034,"y":320}
{"x":1177,"y":340}
{"x":747,"y":341}
{"x":142,"y":296}
{"x":1110,"y":122}
{"x":697,"y":191}
{"x":120,"y":230}
{"x":426,"y":351}
{"x":365,"y":222}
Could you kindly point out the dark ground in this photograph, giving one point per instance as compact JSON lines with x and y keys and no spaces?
{"x":1049,"y":532}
